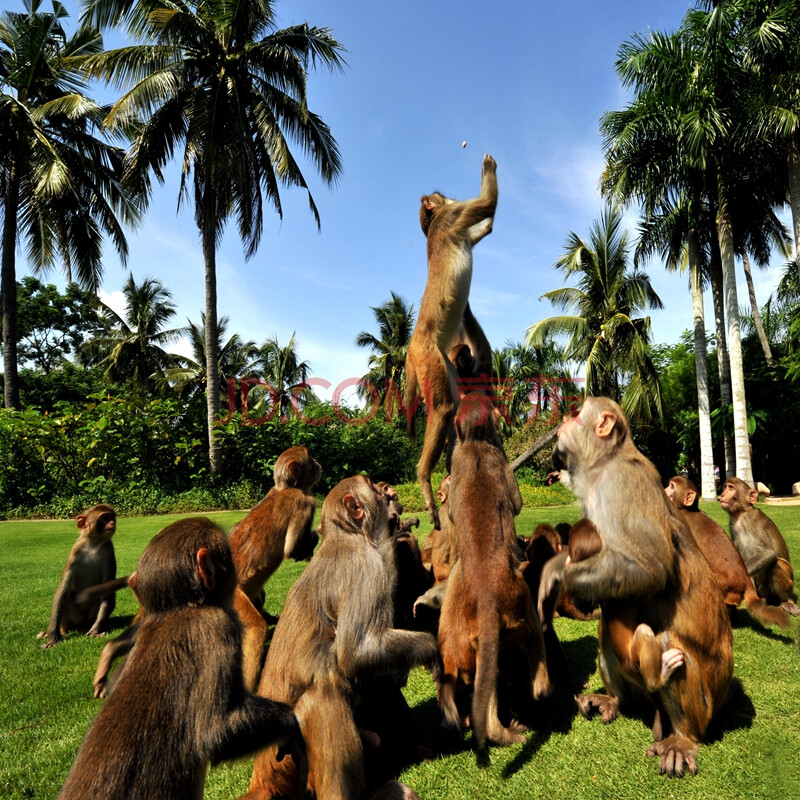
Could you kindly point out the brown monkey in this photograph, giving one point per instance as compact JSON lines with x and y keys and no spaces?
{"x":648,"y":572}
{"x":441,"y":543}
{"x":91,"y":561}
{"x":170,"y":715}
{"x":335,"y":630}
{"x":487,"y":602}
{"x":760,"y":544}
{"x":545,"y":543}
{"x":642,"y":650}
{"x":722,"y":556}
{"x":278,"y":527}
{"x":412,"y":577}
{"x":452,"y":228}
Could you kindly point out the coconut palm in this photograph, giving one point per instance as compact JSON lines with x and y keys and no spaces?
{"x":282,"y":369}
{"x":395,"y":320}
{"x":135,"y":349}
{"x":604,"y":333}
{"x":59,"y":182}
{"x":235,"y":358}
{"x":219,"y":82}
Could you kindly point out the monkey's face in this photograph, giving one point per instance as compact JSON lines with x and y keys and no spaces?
{"x":670,"y":492}
{"x":728,"y":499}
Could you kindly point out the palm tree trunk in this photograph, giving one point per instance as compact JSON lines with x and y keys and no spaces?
{"x":794,"y":192}
{"x":723,"y":363}
{"x":751,"y":290}
{"x":8,"y":286}
{"x":708,"y":487}
{"x":744,"y":469}
{"x":212,"y":356}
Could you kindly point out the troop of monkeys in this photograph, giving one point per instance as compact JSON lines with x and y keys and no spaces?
{"x":199,"y":683}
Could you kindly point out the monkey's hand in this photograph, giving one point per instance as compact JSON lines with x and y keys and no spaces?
{"x":551,"y":579}
{"x":489,"y":164}
{"x":51,"y":639}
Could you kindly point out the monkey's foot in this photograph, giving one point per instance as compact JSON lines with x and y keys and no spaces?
{"x":95,"y":632}
{"x":100,"y":690}
{"x":513,"y":734}
{"x":677,"y":754}
{"x":270,"y":619}
{"x":603,"y":704}
{"x":434,"y":515}
{"x":791,"y":608}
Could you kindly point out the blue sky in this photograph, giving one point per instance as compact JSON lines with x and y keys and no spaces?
{"x":524,"y":81}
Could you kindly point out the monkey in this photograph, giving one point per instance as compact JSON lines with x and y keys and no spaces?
{"x":724,"y":559}
{"x":649,"y":572}
{"x":412,"y":577}
{"x":441,"y":544}
{"x":171,"y":715}
{"x":91,"y":561}
{"x":487,"y":603}
{"x":644,"y":652}
{"x":760,"y":544}
{"x":335,"y":631}
{"x":452,"y":229}
{"x":279,"y":527}
{"x":545,"y":543}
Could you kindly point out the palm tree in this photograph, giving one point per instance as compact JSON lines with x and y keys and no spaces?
{"x":218,"y":81}
{"x":605,"y":335}
{"x":135,"y":348}
{"x":59,"y":183}
{"x":538,"y":380}
{"x":395,"y":320}
{"x":773,"y":37}
{"x":284,"y":372}
{"x":235,"y":358}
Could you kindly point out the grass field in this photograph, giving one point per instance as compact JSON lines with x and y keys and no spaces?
{"x":753,"y":750}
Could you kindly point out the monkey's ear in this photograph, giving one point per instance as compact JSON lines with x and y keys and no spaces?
{"x":752,"y":496}
{"x":689,"y":498}
{"x":294,"y":468}
{"x":133,"y":583}
{"x":440,"y":496}
{"x":426,"y":201}
{"x":81,"y":520}
{"x":354,"y":508}
{"x":206,"y":569}
{"x":605,"y":424}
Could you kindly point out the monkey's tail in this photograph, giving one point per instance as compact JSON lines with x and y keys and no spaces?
{"x":484,"y":700}
{"x":769,"y":615}
{"x":101,"y":589}
{"x":408,"y":399}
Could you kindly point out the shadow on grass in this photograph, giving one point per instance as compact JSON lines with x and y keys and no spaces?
{"x":743,"y":619}
{"x":119,"y":624}
{"x":738,"y":713}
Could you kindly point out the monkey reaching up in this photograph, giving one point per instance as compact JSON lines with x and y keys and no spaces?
{"x":335,"y":630}
{"x":180,"y":702}
{"x":760,"y":544}
{"x":452,"y":228}
{"x":91,"y":561}
{"x":649,"y":571}
{"x":722,"y":556}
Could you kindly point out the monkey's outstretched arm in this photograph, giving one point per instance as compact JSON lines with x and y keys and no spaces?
{"x":613,"y":574}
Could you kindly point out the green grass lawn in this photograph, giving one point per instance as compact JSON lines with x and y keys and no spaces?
{"x":753,"y":752}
